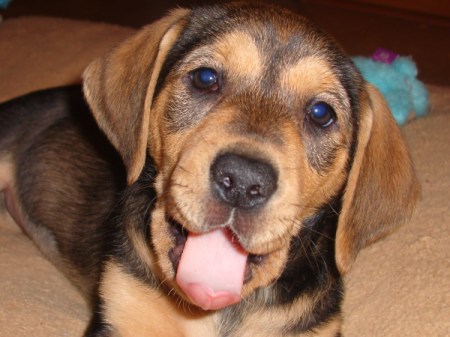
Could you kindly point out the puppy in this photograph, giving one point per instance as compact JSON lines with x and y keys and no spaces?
{"x":227,"y":168}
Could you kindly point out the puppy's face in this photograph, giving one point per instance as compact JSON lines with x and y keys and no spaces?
{"x":254,"y":129}
{"x":255,"y":121}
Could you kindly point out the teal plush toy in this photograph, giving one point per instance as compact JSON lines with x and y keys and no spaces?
{"x":396,"y":78}
{"x":4,"y":3}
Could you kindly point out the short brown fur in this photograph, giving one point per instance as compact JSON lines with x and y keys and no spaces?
{"x":339,"y":187}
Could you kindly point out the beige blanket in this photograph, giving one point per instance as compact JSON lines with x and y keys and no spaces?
{"x":399,"y":287}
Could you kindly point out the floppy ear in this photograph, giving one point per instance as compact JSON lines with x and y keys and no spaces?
{"x":119,"y":88}
{"x":382,"y":188}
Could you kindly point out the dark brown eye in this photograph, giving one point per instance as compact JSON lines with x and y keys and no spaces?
{"x":205,"y":79}
{"x":322,"y":114}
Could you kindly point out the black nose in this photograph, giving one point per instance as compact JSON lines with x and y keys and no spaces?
{"x":241,"y":181}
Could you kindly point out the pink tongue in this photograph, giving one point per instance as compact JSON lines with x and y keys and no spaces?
{"x":211,"y":269}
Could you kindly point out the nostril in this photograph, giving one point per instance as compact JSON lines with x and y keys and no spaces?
{"x":242,"y":181}
{"x":254,"y":191}
{"x":227,"y":182}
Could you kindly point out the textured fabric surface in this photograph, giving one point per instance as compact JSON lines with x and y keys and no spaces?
{"x":38,"y":52}
{"x":398,"y":287}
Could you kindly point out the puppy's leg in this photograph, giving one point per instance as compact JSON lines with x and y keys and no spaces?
{"x":21,"y":121}
{"x":9,"y":203}
{"x":60,"y":178}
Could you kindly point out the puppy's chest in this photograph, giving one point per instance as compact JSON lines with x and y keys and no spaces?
{"x":135,"y":309}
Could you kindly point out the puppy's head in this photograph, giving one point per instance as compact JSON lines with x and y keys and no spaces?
{"x":255,"y":120}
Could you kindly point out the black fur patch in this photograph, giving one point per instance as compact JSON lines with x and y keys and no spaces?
{"x":98,"y":327}
{"x":133,"y":213}
{"x":312,"y":270}
{"x":85,"y":181}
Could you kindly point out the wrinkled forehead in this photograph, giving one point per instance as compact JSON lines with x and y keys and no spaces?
{"x":277,"y":34}
{"x":254,"y":39}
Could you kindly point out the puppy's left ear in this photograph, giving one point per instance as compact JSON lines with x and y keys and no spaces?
{"x":382,"y":188}
{"x":119,"y":88}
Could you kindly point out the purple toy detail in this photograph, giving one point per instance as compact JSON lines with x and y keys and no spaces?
{"x":384,"y":56}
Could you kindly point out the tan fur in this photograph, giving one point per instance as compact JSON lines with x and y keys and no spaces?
{"x":244,"y":62}
{"x":183,"y":158}
{"x":382,"y":173}
{"x":270,"y":322}
{"x":262,"y":112}
{"x":312,"y":75}
{"x":186,"y":157}
{"x":134,"y":310}
{"x":273,"y":322}
{"x":111,"y":100}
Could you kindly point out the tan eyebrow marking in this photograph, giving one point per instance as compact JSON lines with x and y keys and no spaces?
{"x":308,"y":76}
{"x":240,"y":54}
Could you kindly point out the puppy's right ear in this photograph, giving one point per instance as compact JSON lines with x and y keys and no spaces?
{"x":119,"y":88}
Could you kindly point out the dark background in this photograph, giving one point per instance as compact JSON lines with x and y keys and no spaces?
{"x":360,"y":27}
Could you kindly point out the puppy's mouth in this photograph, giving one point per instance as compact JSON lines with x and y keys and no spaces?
{"x":211,"y":268}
